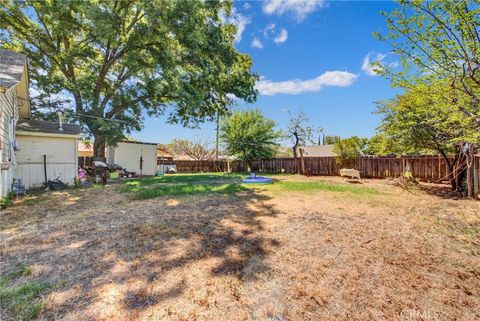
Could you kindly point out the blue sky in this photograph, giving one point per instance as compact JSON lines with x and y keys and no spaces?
{"x":312,"y":56}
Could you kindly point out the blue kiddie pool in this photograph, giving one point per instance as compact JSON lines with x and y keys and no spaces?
{"x":254,"y":179}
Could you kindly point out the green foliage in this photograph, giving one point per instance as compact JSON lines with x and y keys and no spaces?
{"x":382,"y":144}
{"x":6,"y":201}
{"x":249,"y":135}
{"x":437,"y":42}
{"x":116,"y":60}
{"x":348,"y":150}
{"x":23,"y":269}
{"x":330,"y":139}
{"x":421,"y":121}
{"x":23,"y":302}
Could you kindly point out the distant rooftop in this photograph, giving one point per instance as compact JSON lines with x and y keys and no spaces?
{"x":318,"y":151}
{"x":41,"y":126}
{"x":11,"y":68}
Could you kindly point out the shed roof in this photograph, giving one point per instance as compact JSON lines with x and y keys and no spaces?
{"x":137,"y":142}
{"x":11,"y":67}
{"x":41,"y":126}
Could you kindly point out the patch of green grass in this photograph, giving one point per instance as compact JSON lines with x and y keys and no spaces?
{"x":225,"y":183}
{"x":309,"y":187}
{"x":23,"y":269}
{"x":183,"y":178}
{"x":186,"y":189}
{"x":6,"y":201}
{"x":165,"y":183}
{"x":24,"y":301}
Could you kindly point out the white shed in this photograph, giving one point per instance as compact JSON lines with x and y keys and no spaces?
{"x":45,"y":149}
{"x":136,"y":157}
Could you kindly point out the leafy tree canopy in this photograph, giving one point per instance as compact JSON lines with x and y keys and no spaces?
{"x":437,"y":41}
{"x":347,"y":150}
{"x":120,"y":60}
{"x":422,"y":121}
{"x":330,"y":139}
{"x":249,"y":135}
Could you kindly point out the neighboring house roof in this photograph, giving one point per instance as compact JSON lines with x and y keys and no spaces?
{"x":283,"y":151}
{"x":11,"y":68}
{"x":48,"y":127}
{"x":163,"y":153}
{"x":318,"y":151}
{"x":183,"y":157}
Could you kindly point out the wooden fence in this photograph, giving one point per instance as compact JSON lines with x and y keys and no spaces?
{"x":187,"y":166}
{"x":428,"y":168}
{"x":425,"y":168}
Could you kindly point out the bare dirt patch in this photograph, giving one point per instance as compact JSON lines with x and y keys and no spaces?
{"x":260,"y":254}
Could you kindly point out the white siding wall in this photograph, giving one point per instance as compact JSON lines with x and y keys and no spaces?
{"x":128,"y":156}
{"x":61,"y":159}
{"x":8,"y":108}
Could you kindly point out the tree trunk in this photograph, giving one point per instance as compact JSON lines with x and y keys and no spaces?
{"x":294,"y":149}
{"x":451,"y":176}
{"x":99,"y":147}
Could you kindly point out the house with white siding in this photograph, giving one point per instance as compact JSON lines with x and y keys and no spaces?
{"x":31,"y":150}
{"x":14,"y":103}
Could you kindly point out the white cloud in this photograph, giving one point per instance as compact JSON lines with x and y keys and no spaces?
{"x":282,"y":36}
{"x":240,"y":21}
{"x":394,"y":64}
{"x":256,"y":43}
{"x":268,"y":29}
{"x":246,"y":6}
{"x":297,"y":86}
{"x":370,"y":58}
{"x":299,"y":8}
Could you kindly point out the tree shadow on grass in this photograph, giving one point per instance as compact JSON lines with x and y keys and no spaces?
{"x":140,"y":250}
{"x":439,"y":190}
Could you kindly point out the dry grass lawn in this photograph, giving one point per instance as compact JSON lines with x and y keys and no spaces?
{"x":274,"y":252}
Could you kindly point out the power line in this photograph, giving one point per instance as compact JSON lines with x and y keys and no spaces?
{"x":91,"y":116}
{"x":103,"y":118}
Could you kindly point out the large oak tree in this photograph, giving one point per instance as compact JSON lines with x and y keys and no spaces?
{"x":122,"y":59}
